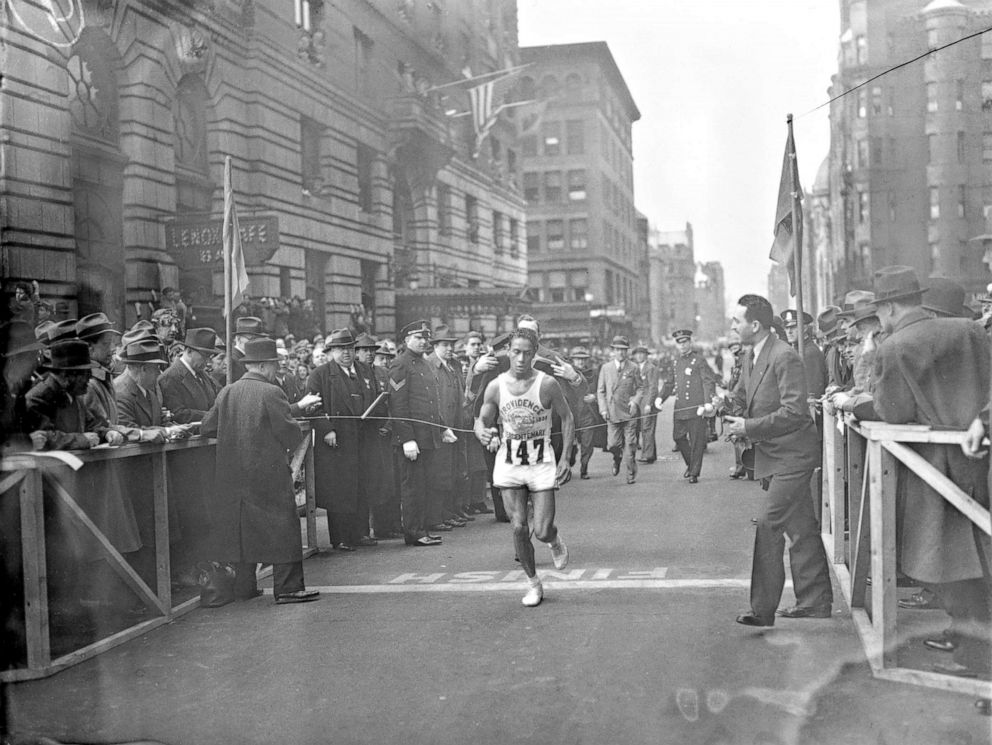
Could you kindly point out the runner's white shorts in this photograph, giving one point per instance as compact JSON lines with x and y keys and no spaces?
{"x":535,"y":477}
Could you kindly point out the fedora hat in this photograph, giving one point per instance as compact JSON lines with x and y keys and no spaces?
{"x":18,"y":338}
{"x":93,"y":325}
{"x":261,"y":349}
{"x":202,"y":340}
{"x":69,"y":355}
{"x":339,"y":338}
{"x":639,"y":348}
{"x":416,"y":327}
{"x":946,"y":298}
{"x":620,"y":342}
{"x":864,"y":313}
{"x":855,"y":299}
{"x":144,"y":351}
{"x":366,"y":341}
{"x":385,"y":351}
{"x":443,"y":333}
{"x":41,"y":331}
{"x":897,"y":283}
{"x":249,"y":326}
{"x":62,"y":331}
{"x":826,"y":321}
{"x":580,"y":353}
{"x":137,"y":334}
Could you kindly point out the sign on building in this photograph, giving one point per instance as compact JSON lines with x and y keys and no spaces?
{"x":197,"y":243}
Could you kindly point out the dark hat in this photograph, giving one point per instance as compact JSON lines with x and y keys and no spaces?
{"x":19,"y":338}
{"x":681,"y":334}
{"x":864,"y":313}
{"x":855,"y":299}
{"x":416,"y":327}
{"x":69,"y":355}
{"x":385,"y":351}
{"x":827,"y":320}
{"x":41,"y":331}
{"x":142,"y":351}
{"x":790,"y":318}
{"x":220,"y":345}
{"x":137,"y":334}
{"x":365,"y":341}
{"x":946,"y":298}
{"x":202,"y":340}
{"x":91,"y":326}
{"x":443,"y":333}
{"x":460,"y":349}
{"x":579,"y":353}
{"x":261,"y":349}
{"x":897,"y":283}
{"x":620,"y":342}
{"x":62,"y":331}
{"x":500,"y":341}
{"x":639,"y":348}
{"x":249,"y":326}
{"x":339,"y":338}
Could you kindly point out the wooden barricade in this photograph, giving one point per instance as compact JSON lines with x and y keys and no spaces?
{"x":860,"y":467}
{"x":26,"y":477}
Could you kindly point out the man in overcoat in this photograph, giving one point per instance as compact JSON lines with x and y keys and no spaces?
{"x":337,"y":466}
{"x":254,"y":512}
{"x":619,"y":394}
{"x":693,"y":383}
{"x":449,"y":461}
{"x":649,"y":414}
{"x":246,"y":328}
{"x":935,"y":371}
{"x":776,"y":419}
{"x":590,"y":429}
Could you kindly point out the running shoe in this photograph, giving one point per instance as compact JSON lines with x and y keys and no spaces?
{"x":559,"y":555}
{"x":534,"y":596}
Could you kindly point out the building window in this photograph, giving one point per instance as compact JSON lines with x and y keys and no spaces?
{"x":444,"y":209}
{"x":934,"y":256}
{"x":931,"y":97}
{"x":364,"y":159}
{"x":862,"y":103}
{"x":514,"y":237}
{"x":533,"y":236}
{"x":934,"y":203}
{"x":578,"y":234}
{"x":302,"y":14}
{"x":987,"y":147}
{"x":892,"y":207}
{"x":577,"y":186}
{"x":557,"y":294}
{"x":472,"y":217}
{"x":575,"y":137}
{"x":987,"y":94}
{"x":876,"y":101}
{"x":511,"y":165}
{"x":310,"y":135}
{"x":987,"y":45}
{"x":528,"y":145}
{"x":556,"y":235}
{"x":932,"y":148}
{"x":363,"y":59}
{"x":959,"y":97}
{"x":961,"y":147}
{"x":861,"y":43}
{"x":573,"y":86}
{"x":876,"y":151}
{"x":862,"y":154}
{"x":962,"y":199}
{"x":551,"y":134}
{"x":532,"y":187}
{"x":863,"y":200}
{"x":497,"y":232}
{"x":552,"y":187}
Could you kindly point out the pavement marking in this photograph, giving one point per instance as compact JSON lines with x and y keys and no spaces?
{"x":514,"y":586}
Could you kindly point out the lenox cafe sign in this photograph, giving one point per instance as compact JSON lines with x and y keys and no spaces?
{"x":197,"y":243}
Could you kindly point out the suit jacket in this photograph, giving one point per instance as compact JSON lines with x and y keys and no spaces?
{"x":618,"y":388}
{"x":186,"y":395}
{"x":936,"y":372}
{"x":815,"y":365}
{"x":652,"y":384}
{"x":772,"y":399}
{"x":451,"y":392}
{"x":134,"y":408}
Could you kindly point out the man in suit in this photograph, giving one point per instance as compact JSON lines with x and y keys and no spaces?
{"x":619,"y":393}
{"x":448,"y":477}
{"x":693,"y":383}
{"x":652,"y":389}
{"x":255,"y":514}
{"x":776,"y":418}
{"x":187,"y":390}
{"x":935,"y":371}
{"x":414,"y":402}
{"x":590,"y":429}
{"x":246,"y":328}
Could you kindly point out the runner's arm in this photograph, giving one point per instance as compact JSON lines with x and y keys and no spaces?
{"x":487,"y":414}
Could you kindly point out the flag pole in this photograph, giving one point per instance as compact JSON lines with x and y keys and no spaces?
{"x":228,"y":273}
{"x":797,"y":249}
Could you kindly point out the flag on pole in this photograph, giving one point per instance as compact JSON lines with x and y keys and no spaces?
{"x":486,"y":103}
{"x":783,"y":247}
{"x":232,"y":245}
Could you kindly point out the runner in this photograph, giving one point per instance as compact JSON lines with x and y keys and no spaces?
{"x":523,"y":398}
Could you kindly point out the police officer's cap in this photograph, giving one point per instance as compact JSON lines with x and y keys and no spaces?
{"x":416,"y":327}
{"x":682,"y":334}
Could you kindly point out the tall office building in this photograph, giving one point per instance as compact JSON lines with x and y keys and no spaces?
{"x":578,"y":179}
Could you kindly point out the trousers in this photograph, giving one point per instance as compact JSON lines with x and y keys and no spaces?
{"x":690,"y":438}
{"x":414,"y":493}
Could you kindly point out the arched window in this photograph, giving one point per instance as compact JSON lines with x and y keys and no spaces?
{"x":97,"y":171}
{"x":573,"y":85}
{"x":528,"y":90}
{"x":549,"y":86}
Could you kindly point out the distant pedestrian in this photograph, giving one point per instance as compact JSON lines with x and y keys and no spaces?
{"x":619,"y":394}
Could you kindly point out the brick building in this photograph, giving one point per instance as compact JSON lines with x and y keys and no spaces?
{"x":356,"y":188}
{"x":671,"y":279}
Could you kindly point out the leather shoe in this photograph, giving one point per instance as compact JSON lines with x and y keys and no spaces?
{"x":344,"y":547}
{"x":463,"y":515}
{"x":943,"y":644}
{"x":955,"y":668}
{"x":631,"y":481}
{"x":686,"y":474}
{"x":584,"y":476}
{"x":919,"y":601}
{"x":738,"y":473}
{"x":645,"y":460}
{"x":749,"y":619}
{"x":616,"y":466}
{"x":300,"y":596}
{"x":816,"y":611}
{"x":483,"y":509}
{"x":441,"y":528}
{"x":427,"y":540}
{"x":693,"y":479}
{"x":367,"y":541}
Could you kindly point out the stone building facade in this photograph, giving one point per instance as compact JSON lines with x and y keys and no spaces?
{"x":354,"y":178}
{"x":671,"y":278}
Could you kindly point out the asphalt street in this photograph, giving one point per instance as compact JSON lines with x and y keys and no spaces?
{"x":634,"y":643}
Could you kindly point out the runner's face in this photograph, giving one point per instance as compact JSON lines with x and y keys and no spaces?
{"x":521,"y":356}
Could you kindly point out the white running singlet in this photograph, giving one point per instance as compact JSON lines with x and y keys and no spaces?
{"x":525,"y":458}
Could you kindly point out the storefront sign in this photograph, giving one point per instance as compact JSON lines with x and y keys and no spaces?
{"x":197,"y":243}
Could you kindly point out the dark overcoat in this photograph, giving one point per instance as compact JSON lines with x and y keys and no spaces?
{"x":377,"y":439}
{"x":186,"y":395}
{"x":136,"y":409}
{"x":253,"y":508}
{"x":337,"y":470}
{"x":936,"y":372}
{"x":693,"y":384}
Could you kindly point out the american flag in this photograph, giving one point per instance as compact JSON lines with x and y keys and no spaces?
{"x":486,"y":103}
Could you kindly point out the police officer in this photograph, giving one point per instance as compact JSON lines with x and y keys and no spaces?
{"x":417,"y":430}
{"x":813,"y":359}
{"x":693,"y":383}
